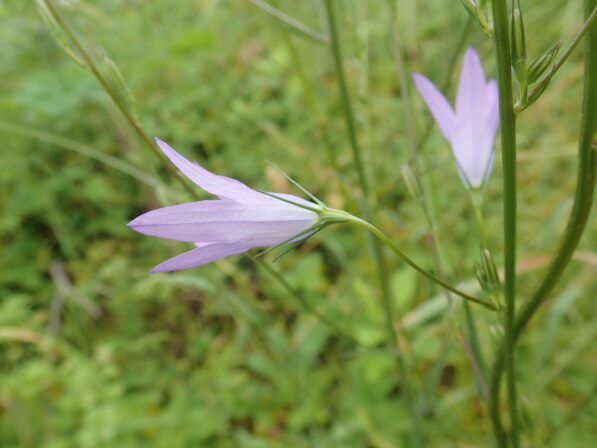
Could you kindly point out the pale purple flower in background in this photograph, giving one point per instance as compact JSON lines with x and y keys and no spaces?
{"x":241,"y":219}
{"x":471,"y":126}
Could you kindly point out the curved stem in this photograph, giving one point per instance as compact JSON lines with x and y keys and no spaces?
{"x":583,"y":201}
{"x":388,"y":242}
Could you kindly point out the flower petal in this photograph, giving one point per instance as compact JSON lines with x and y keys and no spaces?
{"x":471,"y":96}
{"x":221,"y":186}
{"x":472,"y":148}
{"x":438,"y":105}
{"x":203,"y":254}
{"x":226,"y":221}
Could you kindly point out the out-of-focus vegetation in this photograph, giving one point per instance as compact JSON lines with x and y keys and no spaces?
{"x":95,"y":352}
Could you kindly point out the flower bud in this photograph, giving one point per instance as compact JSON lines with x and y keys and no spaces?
{"x":479,"y":11}
{"x":518,"y":44}
{"x":119,"y":86}
{"x":537,"y":92}
{"x":470,"y":7}
{"x":487,"y":275}
{"x":540,"y":65}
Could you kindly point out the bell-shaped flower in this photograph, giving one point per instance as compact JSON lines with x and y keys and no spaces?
{"x":241,"y":219}
{"x":471,"y":126}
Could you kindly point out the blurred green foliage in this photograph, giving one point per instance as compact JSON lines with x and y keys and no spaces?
{"x":96,"y":352}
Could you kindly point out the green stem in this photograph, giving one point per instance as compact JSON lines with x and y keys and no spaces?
{"x":346,"y":105}
{"x":90,"y":64}
{"x":291,"y":22}
{"x":508,"y":134}
{"x":311,"y":99}
{"x":416,"y":435}
{"x":304,"y":303}
{"x":583,"y":201}
{"x":388,"y":242}
{"x":426,"y":200}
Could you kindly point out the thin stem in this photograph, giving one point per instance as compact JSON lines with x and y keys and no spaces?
{"x":310,"y":99}
{"x":477,"y":204}
{"x":583,"y":201}
{"x":592,"y":17}
{"x":416,"y":435}
{"x":291,"y":22}
{"x":508,"y":134}
{"x":346,"y":105}
{"x":472,"y":347}
{"x":88,"y":60}
{"x":388,"y":242}
{"x":301,"y":300}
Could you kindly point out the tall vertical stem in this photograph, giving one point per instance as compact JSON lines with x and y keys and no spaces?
{"x":377,"y":248}
{"x":583,"y":201}
{"x":508,"y":138}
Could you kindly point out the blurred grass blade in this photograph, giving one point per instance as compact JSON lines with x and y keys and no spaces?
{"x":79,"y":148}
{"x":114,"y":77}
{"x":291,"y":22}
{"x":58,"y":33}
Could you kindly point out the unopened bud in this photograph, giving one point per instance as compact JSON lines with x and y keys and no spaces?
{"x":518,"y":44}
{"x":537,"y":92}
{"x":540,"y":65}
{"x":411,"y":181}
{"x":479,"y":11}
{"x":487,"y":275}
{"x":470,"y":7}
{"x":119,"y":86}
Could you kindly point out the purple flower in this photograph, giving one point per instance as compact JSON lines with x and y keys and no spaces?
{"x":241,"y":219}
{"x":472,"y":126}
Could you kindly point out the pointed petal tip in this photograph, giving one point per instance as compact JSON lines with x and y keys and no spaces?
{"x":418,"y":79}
{"x":471,"y":50}
{"x":165,"y":147}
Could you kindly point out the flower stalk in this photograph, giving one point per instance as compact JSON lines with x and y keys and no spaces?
{"x":583,"y":201}
{"x":508,"y":140}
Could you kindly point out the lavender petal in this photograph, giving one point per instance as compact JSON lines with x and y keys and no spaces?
{"x":226,"y":221}
{"x":438,"y":105}
{"x":221,"y":186}
{"x":203,"y":254}
{"x":471,"y":96}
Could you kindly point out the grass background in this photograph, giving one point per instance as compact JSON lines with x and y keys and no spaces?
{"x":96,"y":352}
